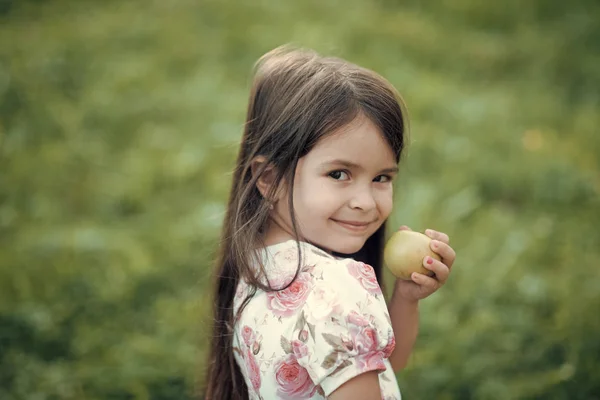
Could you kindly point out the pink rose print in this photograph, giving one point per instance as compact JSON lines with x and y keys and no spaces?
{"x":356,"y":319}
{"x":285,"y":302}
{"x":303,"y":335}
{"x":324,"y":303}
{"x":365,"y":275}
{"x":248,"y":335}
{"x":365,"y":339}
{"x":370,"y":362}
{"x":300,"y":349}
{"x":389,"y":348}
{"x":293,"y":380}
{"x":366,"y":343}
{"x":287,"y":256}
{"x":253,"y":370}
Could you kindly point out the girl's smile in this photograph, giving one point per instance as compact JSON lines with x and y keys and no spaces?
{"x":355,"y":226}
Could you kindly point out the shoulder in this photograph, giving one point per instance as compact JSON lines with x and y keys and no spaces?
{"x":331,"y":320}
{"x":319,"y":271}
{"x":321,"y":288}
{"x":281,"y":261}
{"x":345,"y":291}
{"x":343,"y":328}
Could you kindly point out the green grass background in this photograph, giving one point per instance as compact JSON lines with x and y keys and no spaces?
{"x":119,"y":124}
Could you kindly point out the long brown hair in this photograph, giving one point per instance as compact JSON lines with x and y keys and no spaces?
{"x":297,"y":98}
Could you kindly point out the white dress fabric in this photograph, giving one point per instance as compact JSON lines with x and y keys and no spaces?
{"x":330,"y":325}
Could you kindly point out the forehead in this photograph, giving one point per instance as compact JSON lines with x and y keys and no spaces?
{"x":360,"y":142}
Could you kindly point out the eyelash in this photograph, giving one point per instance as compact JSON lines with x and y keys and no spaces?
{"x":389,"y":178}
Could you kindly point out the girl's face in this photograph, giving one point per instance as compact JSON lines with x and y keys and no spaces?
{"x":342,"y":190}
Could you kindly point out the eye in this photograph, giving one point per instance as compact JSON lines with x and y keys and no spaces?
{"x":383,"y":178}
{"x":339,"y":175}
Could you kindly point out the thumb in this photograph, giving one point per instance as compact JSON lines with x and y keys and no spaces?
{"x":404,"y":228}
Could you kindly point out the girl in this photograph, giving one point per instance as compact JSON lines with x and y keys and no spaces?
{"x":299,"y":311}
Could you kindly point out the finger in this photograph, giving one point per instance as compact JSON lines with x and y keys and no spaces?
{"x":426,"y":282}
{"x":404,"y":228}
{"x":441,"y":236}
{"x":441,"y":270}
{"x":445,"y":251}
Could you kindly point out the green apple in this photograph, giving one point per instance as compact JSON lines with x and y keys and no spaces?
{"x":404,"y":253}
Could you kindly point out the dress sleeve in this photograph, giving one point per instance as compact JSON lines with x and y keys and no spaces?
{"x":344,"y":328}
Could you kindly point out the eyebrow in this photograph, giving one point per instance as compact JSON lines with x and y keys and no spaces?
{"x":351,"y":165}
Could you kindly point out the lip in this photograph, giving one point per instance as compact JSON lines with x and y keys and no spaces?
{"x":357,"y":226}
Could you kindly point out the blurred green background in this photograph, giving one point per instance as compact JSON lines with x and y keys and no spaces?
{"x":119,"y":125}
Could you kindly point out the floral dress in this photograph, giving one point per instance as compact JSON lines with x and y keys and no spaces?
{"x":330,"y":325}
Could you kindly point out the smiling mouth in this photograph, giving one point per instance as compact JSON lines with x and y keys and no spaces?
{"x":355,"y":226}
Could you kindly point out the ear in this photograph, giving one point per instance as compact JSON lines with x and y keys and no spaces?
{"x":266,"y":179}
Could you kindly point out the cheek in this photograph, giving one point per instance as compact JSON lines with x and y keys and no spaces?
{"x":385,"y":203}
{"x":316,"y":201}
{"x":315,"y":196}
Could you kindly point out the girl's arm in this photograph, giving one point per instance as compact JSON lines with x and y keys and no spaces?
{"x":362,"y":387}
{"x":404,"y":314}
{"x":404,"y":305}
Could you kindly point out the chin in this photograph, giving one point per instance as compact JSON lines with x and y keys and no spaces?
{"x":349,"y":248}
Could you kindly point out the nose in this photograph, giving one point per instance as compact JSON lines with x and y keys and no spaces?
{"x":363,"y":199}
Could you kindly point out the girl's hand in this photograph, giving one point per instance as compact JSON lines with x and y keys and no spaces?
{"x":421,"y":285}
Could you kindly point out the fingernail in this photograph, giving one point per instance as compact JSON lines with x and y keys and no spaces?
{"x":429,"y":260}
{"x":428,"y":232}
{"x":434,"y":243}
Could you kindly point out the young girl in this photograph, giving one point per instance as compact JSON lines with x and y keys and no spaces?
{"x":299,"y":311}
